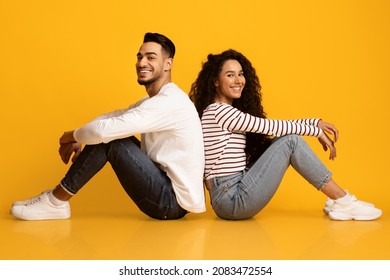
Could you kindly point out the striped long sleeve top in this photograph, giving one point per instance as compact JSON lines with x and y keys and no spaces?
{"x":224,"y":129}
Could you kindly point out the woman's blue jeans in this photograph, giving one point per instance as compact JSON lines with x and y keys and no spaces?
{"x":146,"y":184}
{"x":243,"y":195}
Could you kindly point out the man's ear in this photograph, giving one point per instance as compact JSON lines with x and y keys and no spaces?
{"x":169,"y":63}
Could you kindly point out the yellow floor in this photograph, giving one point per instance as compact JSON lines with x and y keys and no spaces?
{"x":114,"y":233}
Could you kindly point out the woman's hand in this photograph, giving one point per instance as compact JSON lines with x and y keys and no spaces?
{"x":329,"y":128}
{"x":326,"y":143}
{"x":324,"y":139}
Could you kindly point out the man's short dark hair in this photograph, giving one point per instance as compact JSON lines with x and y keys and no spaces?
{"x":166,"y":44}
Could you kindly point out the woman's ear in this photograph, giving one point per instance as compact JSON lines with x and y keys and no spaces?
{"x":216,"y":84}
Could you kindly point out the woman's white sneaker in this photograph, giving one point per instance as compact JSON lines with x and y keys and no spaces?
{"x":329,"y":202}
{"x":355,"y":210}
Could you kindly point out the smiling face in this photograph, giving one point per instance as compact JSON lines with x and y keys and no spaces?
{"x":152,"y":63}
{"x":230,"y":82}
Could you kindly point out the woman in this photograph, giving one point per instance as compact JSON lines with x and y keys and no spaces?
{"x":247,"y":154}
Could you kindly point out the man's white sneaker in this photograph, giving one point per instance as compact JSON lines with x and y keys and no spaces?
{"x":40,"y":208}
{"x":329,"y":202}
{"x":354,"y":210}
{"x":22,"y":202}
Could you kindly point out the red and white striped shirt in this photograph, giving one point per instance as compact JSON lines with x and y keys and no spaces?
{"x":224,"y":129}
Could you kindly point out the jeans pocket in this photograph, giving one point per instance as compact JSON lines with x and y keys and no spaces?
{"x":224,"y":193}
{"x":227,"y":185}
{"x":152,"y":209}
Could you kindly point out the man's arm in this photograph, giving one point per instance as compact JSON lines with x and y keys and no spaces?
{"x":69,"y":145}
{"x":154,"y":114}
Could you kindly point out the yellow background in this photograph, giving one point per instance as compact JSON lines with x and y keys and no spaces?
{"x":64,"y":62}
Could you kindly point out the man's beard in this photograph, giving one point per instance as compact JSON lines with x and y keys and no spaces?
{"x":146,"y":82}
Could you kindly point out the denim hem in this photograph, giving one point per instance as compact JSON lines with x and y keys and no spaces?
{"x":325,"y":181}
{"x":66,"y":188}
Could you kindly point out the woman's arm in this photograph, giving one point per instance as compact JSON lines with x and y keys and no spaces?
{"x":230,"y":118}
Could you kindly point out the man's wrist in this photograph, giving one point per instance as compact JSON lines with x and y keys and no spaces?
{"x":70,"y":137}
{"x":67,"y":138}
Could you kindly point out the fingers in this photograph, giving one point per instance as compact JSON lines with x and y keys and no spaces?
{"x":76,"y":154}
{"x":332,"y":154}
{"x":63,"y":151}
{"x":326,"y":143}
{"x":66,"y":151}
{"x":332,"y":130}
{"x":332,"y":148}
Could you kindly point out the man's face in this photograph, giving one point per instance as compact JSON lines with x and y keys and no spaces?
{"x":151,"y":64}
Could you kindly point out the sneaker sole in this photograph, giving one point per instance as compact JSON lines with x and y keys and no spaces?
{"x":42,"y":217}
{"x":341,"y":217}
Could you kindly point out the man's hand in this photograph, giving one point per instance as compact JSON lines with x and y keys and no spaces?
{"x":67,"y":138}
{"x":68,"y":146}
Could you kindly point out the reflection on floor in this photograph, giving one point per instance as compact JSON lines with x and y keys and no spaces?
{"x":272,"y":234}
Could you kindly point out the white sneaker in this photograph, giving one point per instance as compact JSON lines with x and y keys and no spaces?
{"x":22,"y":202}
{"x":329,"y":202}
{"x":355,"y":210}
{"x":40,"y":208}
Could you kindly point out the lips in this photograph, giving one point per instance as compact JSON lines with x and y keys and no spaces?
{"x":144,"y":72}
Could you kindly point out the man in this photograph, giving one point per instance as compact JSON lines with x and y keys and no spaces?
{"x":162,"y":173}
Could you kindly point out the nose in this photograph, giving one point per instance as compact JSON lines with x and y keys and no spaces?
{"x":238,"y":79}
{"x":141,"y":62}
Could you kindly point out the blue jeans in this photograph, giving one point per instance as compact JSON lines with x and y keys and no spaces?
{"x":146,"y":184}
{"x":243,"y":195}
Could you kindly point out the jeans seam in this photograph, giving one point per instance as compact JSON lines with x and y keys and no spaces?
{"x":325,"y":180}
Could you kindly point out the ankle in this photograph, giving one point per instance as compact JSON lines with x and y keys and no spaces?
{"x":54,"y":200}
{"x":346,"y":199}
{"x":61,"y":194}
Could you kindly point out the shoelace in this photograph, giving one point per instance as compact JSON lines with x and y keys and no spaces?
{"x":35,"y":200}
{"x":354,"y":205}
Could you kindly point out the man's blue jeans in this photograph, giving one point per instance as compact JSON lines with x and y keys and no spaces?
{"x":243,"y":195}
{"x":146,"y":184}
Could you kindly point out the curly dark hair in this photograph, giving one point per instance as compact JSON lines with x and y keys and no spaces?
{"x":203,"y":93}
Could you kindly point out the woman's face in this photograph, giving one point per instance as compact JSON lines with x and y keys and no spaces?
{"x":230,"y":82}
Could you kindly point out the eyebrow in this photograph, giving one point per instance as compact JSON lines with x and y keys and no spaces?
{"x":232,"y":71}
{"x":148,"y":53}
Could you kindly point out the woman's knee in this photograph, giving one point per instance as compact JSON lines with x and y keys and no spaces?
{"x":292,"y":140}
